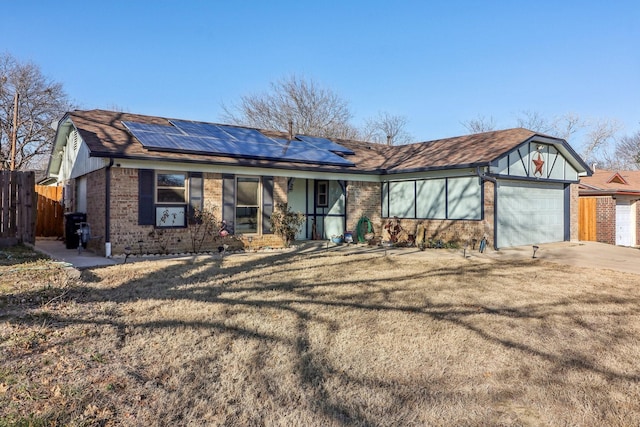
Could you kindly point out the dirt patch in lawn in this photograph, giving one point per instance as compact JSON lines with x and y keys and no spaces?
{"x":322,"y":338}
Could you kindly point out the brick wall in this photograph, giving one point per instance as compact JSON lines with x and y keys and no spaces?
{"x":96,"y":200}
{"x":574,"y":213}
{"x":363,"y":199}
{"x":606,"y":220}
{"x":125,"y":230}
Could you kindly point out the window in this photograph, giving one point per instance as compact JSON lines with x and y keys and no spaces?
{"x":171,"y":196}
{"x":170,"y":187}
{"x":247,"y":204}
{"x":438,"y":198}
{"x":322,"y":193}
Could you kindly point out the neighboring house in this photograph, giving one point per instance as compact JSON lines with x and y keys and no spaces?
{"x":609,"y":207}
{"x":134,"y":175}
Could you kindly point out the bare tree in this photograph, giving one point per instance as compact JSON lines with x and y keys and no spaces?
{"x":480,"y":124}
{"x":599,"y":136}
{"x":534,"y":121}
{"x":313,"y":110}
{"x":386,"y":128}
{"x":627,"y":153}
{"x":40,"y":102}
{"x":596,"y":135}
{"x":567,"y":125}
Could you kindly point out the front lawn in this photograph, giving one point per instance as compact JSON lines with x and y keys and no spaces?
{"x":319,"y":339}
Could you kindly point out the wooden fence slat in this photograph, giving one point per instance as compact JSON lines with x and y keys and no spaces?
{"x":6,"y":215}
{"x":587,"y":223}
{"x":18,"y":206}
{"x":50,"y":218}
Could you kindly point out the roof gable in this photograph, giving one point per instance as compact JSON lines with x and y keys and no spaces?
{"x":618,"y":179}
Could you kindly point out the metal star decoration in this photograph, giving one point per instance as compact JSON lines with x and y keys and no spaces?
{"x":539,"y":164}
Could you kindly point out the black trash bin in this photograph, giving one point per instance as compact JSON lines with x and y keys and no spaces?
{"x":72,"y":222}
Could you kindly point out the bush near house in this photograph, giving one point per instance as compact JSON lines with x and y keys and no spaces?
{"x":285,"y":223}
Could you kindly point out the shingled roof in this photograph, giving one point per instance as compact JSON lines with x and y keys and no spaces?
{"x":106,"y":136}
{"x":605,"y":182}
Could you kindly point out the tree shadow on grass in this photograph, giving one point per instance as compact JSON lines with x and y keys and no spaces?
{"x":258,"y":284}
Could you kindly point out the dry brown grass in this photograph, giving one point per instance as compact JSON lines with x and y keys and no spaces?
{"x":320,"y":339}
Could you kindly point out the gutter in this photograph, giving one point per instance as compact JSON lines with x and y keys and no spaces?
{"x":485,"y":177}
{"x":107,"y":209}
{"x":608,"y":193}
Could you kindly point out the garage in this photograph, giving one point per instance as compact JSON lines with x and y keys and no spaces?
{"x":529,"y":213}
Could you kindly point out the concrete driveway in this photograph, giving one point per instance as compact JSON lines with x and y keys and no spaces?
{"x":581,"y":254}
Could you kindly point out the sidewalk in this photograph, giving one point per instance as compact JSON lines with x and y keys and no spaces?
{"x":57,"y":250}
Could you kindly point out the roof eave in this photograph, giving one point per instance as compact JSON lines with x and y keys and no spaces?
{"x":609,"y":193}
{"x":246,"y":163}
{"x":59,"y":142}
{"x":434,"y":168}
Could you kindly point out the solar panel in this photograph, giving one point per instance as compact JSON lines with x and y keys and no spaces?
{"x":145,"y":127}
{"x":252,"y":136}
{"x":206,"y":130}
{"x":324,"y":144}
{"x":222,"y":140}
{"x":310,"y":154}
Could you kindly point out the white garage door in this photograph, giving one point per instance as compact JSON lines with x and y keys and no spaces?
{"x":529,"y":213}
{"x":623,"y":224}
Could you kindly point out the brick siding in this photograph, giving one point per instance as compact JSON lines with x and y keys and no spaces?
{"x":125,"y":231}
{"x":574,"y":214}
{"x":606,"y":220}
{"x":363,"y":199}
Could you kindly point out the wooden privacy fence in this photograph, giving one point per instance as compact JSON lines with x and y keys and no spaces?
{"x":50,"y":221}
{"x":587,"y":226}
{"x":18,"y":209}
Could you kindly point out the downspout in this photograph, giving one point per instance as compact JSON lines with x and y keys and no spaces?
{"x":107,"y":210}
{"x":484,"y":177}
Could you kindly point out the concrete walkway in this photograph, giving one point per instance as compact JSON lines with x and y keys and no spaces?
{"x":57,"y":250}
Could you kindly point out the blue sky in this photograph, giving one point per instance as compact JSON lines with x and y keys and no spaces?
{"x":437,"y":63}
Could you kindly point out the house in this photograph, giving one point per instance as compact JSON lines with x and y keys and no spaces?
{"x":138,"y":176}
{"x":609,"y":208}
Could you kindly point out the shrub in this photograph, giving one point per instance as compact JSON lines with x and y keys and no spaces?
{"x":203,"y":226}
{"x":286,"y":223}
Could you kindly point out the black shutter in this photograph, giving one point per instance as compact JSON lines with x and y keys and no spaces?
{"x":195,"y":193}
{"x":229,"y":201}
{"x":146,"y":179}
{"x":267,"y":203}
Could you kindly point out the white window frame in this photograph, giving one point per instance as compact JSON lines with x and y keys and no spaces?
{"x":171,"y":214}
